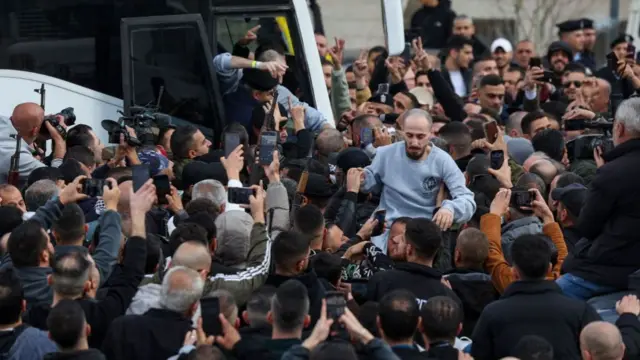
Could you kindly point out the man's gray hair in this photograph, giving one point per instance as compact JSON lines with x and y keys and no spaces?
{"x":212,"y":190}
{"x":514,"y":122}
{"x":181,"y":288}
{"x":418,"y":113}
{"x":463,"y":17}
{"x":39,"y":193}
{"x":228,"y":305}
{"x":628,"y":114}
{"x":329,"y":141}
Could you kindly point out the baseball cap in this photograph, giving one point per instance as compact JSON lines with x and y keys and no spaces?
{"x":571,"y":196}
{"x":501,"y":43}
{"x":424,"y":96}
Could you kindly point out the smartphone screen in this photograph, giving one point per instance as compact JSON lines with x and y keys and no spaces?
{"x":535,"y":62}
{"x":163,"y":188}
{"x":491,"y":131}
{"x":210,"y":309}
{"x":140,"y":175}
{"x":336,"y":303}
{"x":383,"y":89}
{"x":631,"y":52}
{"x":231,"y":142}
{"x":366,"y":137}
{"x":379,"y":215}
{"x":268,"y":141}
{"x":93,"y":187}
{"x":497,"y":159}
{"x":239,"y":195}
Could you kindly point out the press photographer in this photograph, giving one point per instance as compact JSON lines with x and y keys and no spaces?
{"x":18,"y":135}
{"x":607,"y":255}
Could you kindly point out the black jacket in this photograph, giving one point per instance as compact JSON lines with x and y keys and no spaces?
{"x":158,"y":334}
{"x":476,"y":291}
{"x":8,"y":338}
{"x":409,"y":353}
{"x":434,"y":25}
{"x":609,"y":221}
{"x":618,"y":85}
{"x":314,"y":287}
{"x":452,"y":104}
{"x":89,"y":354}
{"x":467,"y":76}
{"x":422,"y":280}
{"x":629,"y":326}
{"x":531,"y":308}
{"x":443,"y":352}
{"x":571,"y":237}
{"x":123,"y":287}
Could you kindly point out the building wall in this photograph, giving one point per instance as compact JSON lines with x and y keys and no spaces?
{"x":358,"y":22}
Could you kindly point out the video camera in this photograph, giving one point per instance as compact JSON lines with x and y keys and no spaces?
{"x":69,"y":119}
{"x":145,"y":121}
{"x":582,"y":147}
{"x":582,"y":124}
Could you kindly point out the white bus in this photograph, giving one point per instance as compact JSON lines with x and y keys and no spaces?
{"x":103,"y":56}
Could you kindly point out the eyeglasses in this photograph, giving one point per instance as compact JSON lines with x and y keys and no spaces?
{"x":577,"y":84}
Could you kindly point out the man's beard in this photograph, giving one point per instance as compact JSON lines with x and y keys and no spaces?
{"x":415,"y":156}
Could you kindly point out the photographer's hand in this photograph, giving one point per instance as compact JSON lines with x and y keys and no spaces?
{"x":597,"y":156}
{"x":60,"y":145}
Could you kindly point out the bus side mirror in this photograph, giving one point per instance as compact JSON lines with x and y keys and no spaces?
{"x":393,"y":25}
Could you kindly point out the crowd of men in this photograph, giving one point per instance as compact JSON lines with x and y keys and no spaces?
{"x":480,"y":203}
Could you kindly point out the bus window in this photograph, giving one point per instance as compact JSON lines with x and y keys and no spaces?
{"x":169,"y":53}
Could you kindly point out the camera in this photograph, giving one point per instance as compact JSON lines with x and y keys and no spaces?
{"x":69,"y":119}
{"x":145,"y":121}
{"x":94,"y":187}
{"x":581,"y":148}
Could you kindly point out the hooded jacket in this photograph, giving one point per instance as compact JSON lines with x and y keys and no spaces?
{"x":475,"y":290}
{"x":89,"y":354}
{"x":314,"y":287}
{"x":434,"y":24}
{"x":233,"y":230}
{"x":422,"y":281}
{"x":536,"y":307}
{"x":529,"y":225}
{"x":31,"y":344}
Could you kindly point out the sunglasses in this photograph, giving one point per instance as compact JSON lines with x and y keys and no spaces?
{"x":575,"y":83}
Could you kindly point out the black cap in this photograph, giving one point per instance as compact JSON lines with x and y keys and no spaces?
{"x":259,"y":80}
{"x":587,"y":23}
{"x":622,"y":38}
{"x":384,"y":99}
{"x":196,"y":171}
{"x":318,"y":186}
{"x":571,"y":25}
{"x":571,"y":196}
{"x":352,"y":158}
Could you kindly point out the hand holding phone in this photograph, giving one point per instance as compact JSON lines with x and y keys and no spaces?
{"x":231,"y":142}
{"x":240,"y":196}
{"x":140,"y":175}
{"x":497,"y":159}
{"x":522,"y":198}
{"x":163,"y":188}
{"x":210,"y":310}
{"x":491,"y":131}
{"x":94,"y":187}
{"x":268,"y":141}
{"x":380,"y":216}
{"x":336,"y":304}
{"x":535,"y":62}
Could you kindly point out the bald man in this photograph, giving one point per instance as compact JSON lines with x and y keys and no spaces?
{"x":26,"y":121}
{"x":601,"y":341}
{"x":425,"y":168}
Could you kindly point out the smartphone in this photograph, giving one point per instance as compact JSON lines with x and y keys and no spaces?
{"x":268,"y":141}
{"x":163,"y":188}
{"x":231,"y":142}
{"x":383,"y":88}
{"x":366,"y":136}
{"x":522,"y":198}
{"x":547,"y":76}
{"x":612,"y":62}
{"x":406,"y":54}
{"x":210,"y":310}
{"x":379,"y":215}
{"x":336,"y":303}
{"x":239,"y":195}
{"x":93,"y":187}
{"x":535,"y":62}
{"x":497,"y":159}
{"x":491,"y":131}
{"x":139,"y":174}
{"x":631,"y":52}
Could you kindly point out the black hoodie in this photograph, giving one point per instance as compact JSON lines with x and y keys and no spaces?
{"x":89,"y":354}
{"x":314,"y":287}
{"x":434,"y":24}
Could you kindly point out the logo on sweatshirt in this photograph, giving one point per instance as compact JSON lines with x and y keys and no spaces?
{"x":430,"y":184}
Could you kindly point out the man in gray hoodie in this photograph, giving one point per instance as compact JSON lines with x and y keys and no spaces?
{"x":26,"y":121}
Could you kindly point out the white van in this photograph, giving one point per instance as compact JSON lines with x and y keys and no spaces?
{"x":101,"y":57}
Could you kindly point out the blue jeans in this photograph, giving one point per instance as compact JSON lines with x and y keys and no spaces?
{"x":579,"y":288}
